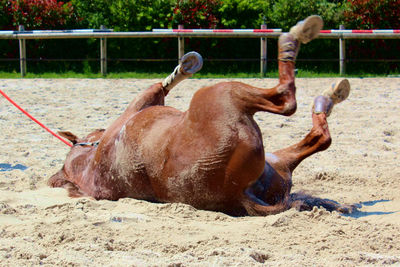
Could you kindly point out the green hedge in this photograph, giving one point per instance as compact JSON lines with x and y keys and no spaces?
{"x":144,"y":15}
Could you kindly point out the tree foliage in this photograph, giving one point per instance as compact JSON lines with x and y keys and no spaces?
{"x":124,"y":15}
{"x":373,"y":14}
{"x":285,"y":13}
{"x":144,"y":15}
{"x":34,"y":15}
{"x":38,"y":14}
{"x":242,"y":14}
{"x":196,"y":14}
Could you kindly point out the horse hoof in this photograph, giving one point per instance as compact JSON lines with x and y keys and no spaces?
{"x":338,"y":92}
{"x":308,"y":29}
{"x":334,"y":95}
{"x":191,"y":63}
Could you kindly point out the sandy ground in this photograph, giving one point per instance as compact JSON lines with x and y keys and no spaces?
{"x":42,"y":226}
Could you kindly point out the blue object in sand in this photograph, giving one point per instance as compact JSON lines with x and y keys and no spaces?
{"x":8,"y":167}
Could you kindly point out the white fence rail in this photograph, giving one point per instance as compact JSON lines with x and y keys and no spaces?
{"x":263,"y":33}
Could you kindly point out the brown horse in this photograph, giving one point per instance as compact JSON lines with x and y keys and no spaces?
{"x":211,"y":156}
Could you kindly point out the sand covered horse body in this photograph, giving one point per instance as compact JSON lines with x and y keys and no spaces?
{"x":211,"y":156}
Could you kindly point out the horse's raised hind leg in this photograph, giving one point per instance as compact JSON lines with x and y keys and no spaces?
{"x":271,"y":192}
{"x":318,"y":139}
{"x":282,"y":98}
{"x":289,"y":46}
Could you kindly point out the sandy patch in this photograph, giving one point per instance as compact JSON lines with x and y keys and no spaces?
{"x":42,"y":226}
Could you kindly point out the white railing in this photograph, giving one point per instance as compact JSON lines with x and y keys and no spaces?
{"x":181,"y":33}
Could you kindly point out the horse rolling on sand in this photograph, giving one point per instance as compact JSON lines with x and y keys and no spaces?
{"x":211,"y":156}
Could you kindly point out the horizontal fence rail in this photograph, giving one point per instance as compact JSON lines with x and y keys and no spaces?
{"x":219,"y":30}
{"x":174,"y":33}
{"x":180,"y":33}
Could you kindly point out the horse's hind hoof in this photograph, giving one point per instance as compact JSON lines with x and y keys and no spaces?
{"x":334,"y":95}
{"x":338,"y":92}
{"x":308,"y":29}
{"x":191,"y":63}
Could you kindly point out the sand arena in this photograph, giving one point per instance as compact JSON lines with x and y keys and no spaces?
{"x":40,"y":225}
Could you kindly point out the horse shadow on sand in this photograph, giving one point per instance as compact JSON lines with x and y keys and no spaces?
{"x":360,"y":214}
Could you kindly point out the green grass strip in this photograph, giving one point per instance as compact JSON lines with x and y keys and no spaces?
{"x":153,"y":75}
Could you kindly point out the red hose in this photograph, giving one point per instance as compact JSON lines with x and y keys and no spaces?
{"x":35,"y":120}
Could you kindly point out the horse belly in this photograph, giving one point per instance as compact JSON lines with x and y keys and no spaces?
{"x":199,"y":185}
{"x":140,"y":151}
{"x":194,"y":169}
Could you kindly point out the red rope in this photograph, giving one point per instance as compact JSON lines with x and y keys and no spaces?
{"x":35,"y":120}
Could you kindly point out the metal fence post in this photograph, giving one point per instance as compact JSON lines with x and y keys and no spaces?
{"x":22,"y":52}
{"x":103,"y":53}
{"x":263,"y":56}
{"x":181,"y":45}
{"x":342,"y":53}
